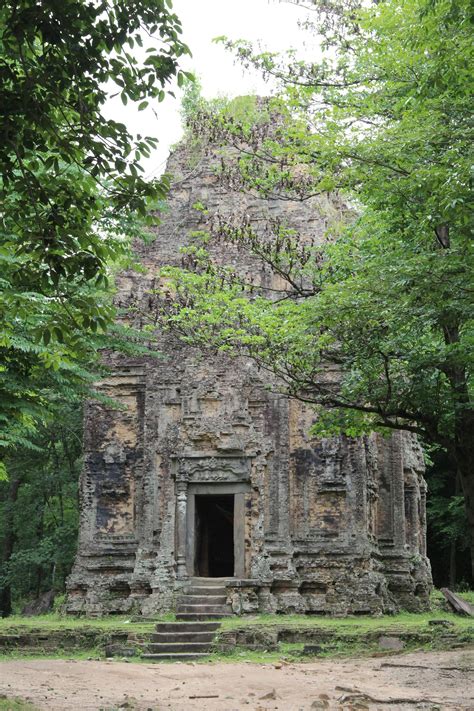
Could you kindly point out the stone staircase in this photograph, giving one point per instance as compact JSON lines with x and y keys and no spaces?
{"x":191,"y":637}
{"x":203,"y":599}
{"x":181,"y":641}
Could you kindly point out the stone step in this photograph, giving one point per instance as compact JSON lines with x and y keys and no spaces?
{"x":208,"y":581}
{"x":202,"y":600}
{"x":205,"y":590}
{"x":205,"y":609}
{"x":175,"y":657}
{"x":164,"y":637}
{"x":162,"y":647}
{"x":196,"y":616}
{"x":190,"y":626}
{"x":144,"y":618}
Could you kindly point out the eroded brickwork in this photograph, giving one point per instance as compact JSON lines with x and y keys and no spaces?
{"x":332,"y":526}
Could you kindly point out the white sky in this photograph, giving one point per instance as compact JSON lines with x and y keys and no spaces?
{"x":270,"y":21}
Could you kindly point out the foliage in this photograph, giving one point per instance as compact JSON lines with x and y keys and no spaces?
{"x":240,"y":109}
{"x":447,"y":529}
{"x":447,"y":515}
{"x":39,"y":509}
{"x":71,"y":184}
{"x":383,"y":123}
{"x":49,"y":353}
{"x":59,"y":64}
{"x":43,"y":392}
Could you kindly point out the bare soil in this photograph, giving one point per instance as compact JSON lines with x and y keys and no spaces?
{"x":420,"y":680}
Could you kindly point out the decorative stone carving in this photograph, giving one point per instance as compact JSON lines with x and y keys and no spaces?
{"x":213,"y":469}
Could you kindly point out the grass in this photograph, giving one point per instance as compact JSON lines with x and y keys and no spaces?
{"x":16,"y":705}
{"x":55,"y":621}
{"x":355,"y":635}
{"x":358,"y":625}
{"x":361,"y":624}
{"x":78,"y":655}
{"x":364,"y":623}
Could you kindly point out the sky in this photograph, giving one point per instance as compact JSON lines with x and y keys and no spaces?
{"x":273,"y":23}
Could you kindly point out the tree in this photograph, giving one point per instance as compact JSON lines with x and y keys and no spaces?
{"x":447,"y":533}
{"x":383,"y":122}
{"x":39,"y":511}
{"x":70,"y":180}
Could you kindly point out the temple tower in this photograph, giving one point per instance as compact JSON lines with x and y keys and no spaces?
{"x":206,"y":472}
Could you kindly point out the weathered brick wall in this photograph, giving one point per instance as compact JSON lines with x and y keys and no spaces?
{"x":329,"y":526}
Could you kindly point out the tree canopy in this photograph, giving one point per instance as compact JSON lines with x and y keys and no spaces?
{"x":71,"y":182}
{"x":383,"y":120}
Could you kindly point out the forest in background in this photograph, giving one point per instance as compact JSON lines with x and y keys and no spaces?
{"x":73,"y":198}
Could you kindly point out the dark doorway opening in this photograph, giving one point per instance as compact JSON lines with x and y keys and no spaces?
{"x":214,"y":536}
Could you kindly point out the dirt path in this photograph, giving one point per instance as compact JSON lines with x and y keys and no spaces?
{"x":422,"y":680}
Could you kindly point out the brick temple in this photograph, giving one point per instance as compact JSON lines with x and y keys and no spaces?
{"x":206,"y":473}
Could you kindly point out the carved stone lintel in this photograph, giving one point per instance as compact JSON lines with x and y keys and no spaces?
{"x":212,"y":469}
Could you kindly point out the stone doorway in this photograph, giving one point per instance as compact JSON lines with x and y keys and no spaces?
{"x":215,"y":530}
{"x":214,"y":536}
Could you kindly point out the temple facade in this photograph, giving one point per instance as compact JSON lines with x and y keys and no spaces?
{"x":207,"y":472}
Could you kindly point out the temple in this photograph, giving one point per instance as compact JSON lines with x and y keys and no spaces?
{"x":206,"y":472}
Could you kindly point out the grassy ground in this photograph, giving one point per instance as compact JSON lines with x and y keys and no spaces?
{"x":363,"y":623}
{"x":352,"y":645}
{"x":358,"y":625}
{"x":55,"y":621}
{"x":350,"y":635}
{"x":16,"y":705}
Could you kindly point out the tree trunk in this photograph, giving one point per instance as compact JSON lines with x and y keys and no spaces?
{"x":39,"y":568}
{"x":465,"y":463}
{"x":453,"y":545}
{"x":8,"y":544}
{"x":467,"y":480}
{"x":452,"y":564}
{"x":463,"y":448}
